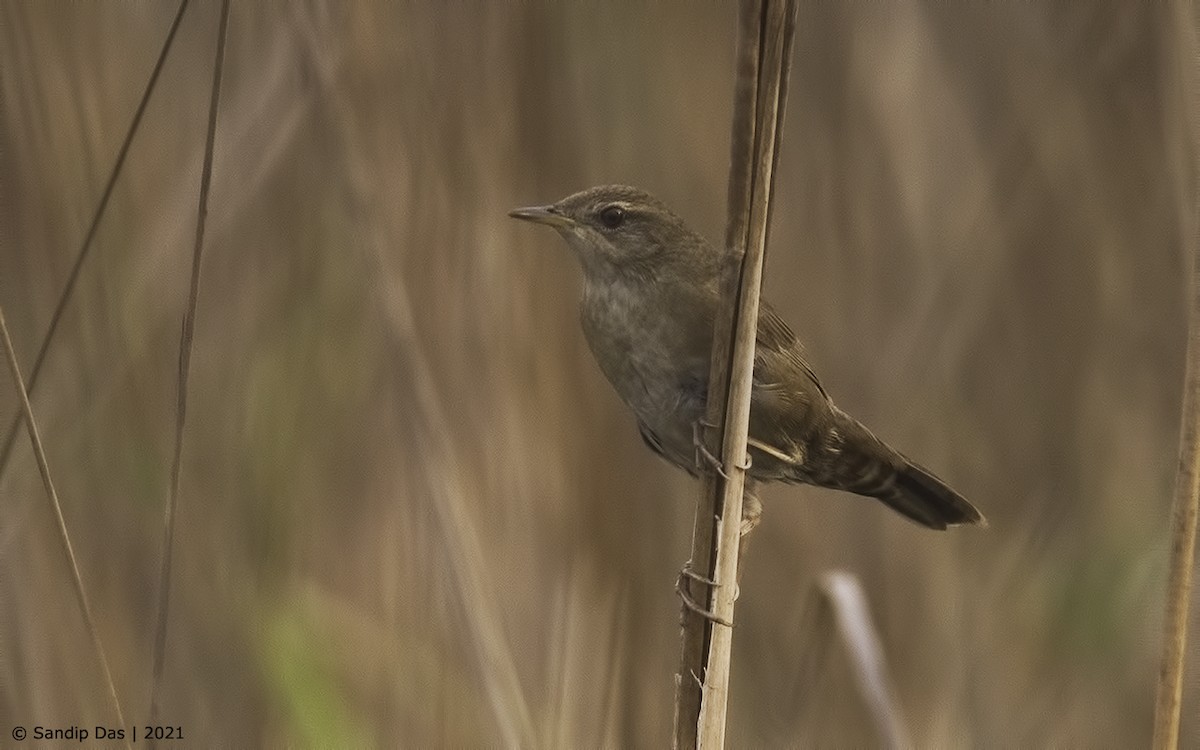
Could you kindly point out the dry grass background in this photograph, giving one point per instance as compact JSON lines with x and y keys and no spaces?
{"x":414,"y":513}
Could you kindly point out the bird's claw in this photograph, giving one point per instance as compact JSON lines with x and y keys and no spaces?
{"x":687,"y":572}
{"x":713,"y":462}
{"x":682,"y":589}
{"x":703,"y":454}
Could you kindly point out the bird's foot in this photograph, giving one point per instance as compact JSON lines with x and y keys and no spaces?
{"x":683,"y":589}
{"x":703,"y":455}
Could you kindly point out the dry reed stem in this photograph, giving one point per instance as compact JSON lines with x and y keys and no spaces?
{"x":695,"y":630}
{"x":44,"y":468}
{"x":90,"y":235}
{"x":185,"y":358}
{"x":764,"y":53}
{"x":1186,"y":505}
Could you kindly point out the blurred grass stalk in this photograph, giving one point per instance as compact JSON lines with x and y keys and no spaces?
{"x":1186,"y":506}
{"x":765,"y":33}
{"x":460,"y":538}
{"x":843,"y":613}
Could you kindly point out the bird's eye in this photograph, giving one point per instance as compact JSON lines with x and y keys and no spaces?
{"x":612,"y":217}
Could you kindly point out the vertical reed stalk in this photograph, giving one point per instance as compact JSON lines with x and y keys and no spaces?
{"x":765,"y":36}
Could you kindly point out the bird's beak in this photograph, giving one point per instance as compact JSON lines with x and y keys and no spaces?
{"x":548,"y":215}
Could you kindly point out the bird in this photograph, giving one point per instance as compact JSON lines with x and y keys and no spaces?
{"x":651,"y":291}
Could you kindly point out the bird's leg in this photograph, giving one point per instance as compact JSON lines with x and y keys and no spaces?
{"x":703,"y":454}
{"x":683,"y":589}
{"x":752,"y":510}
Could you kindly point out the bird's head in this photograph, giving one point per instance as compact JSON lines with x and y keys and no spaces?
{"x":617,"y":228}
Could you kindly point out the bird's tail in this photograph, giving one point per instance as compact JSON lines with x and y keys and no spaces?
{"x":867,"y":466}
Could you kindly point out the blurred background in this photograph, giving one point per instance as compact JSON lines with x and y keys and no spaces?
{"x":414,"y":513}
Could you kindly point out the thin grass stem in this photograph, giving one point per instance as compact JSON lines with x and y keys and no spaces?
{"x":185,"y":359}
{"x":39,"y":453}
{"x":88,"y":238}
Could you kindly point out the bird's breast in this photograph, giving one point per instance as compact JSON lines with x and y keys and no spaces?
{"x":651,"y":348}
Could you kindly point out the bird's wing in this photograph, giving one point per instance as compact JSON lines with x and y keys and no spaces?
{"x":789,"y":405}
{"x":779,"y":351}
